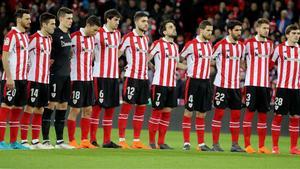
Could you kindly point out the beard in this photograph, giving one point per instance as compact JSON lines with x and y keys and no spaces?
{"x":141,"y":29}
{"x":236,"y":37}
{"x":207,"y":38}
{"x":26,"y":26}
{"x":263,"y":36}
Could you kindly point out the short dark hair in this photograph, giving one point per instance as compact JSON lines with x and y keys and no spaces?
{"x":140,"y":14}
{"x":163,"y":26}
{"x":20,"y":12}
{"x":204,"y":24}
{"x":261,"y":21}
{"x":45,"y":17}
{"x":233,"y":23}
{"x":93,"y":20}
{"x":290,"y":28}
{"x":63,"y":11}
{"x":109,"y":14}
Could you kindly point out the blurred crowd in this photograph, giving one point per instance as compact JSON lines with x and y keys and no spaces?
{"x":187,"y":14}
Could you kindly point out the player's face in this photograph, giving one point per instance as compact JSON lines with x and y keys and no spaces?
{"x":92,"y":30}
{"x":170,"y":30}
{"x":50,"y":26}
{"x":25,"y":21}
{"x":207,"y":32}
{"x":113,"y":23}
{"x":294,"y":36}
{"x":236,"y":32}
{"x":142,"y":24}
{"x":66,"y":20}
{"x":263,"y":30}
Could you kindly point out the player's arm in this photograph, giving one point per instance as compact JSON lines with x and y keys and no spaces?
{"x":8,"y":46}
{"x":215,"y":55}
{"x":274,"y":59}
{"x":181,"y":66}
{"x":153,"y":50}
{"x":125,"y":43}
{"x":31,"y":49}
{"x":244,"y":57}
{"x":74,"y":37}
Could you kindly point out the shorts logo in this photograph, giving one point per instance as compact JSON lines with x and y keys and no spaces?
{"x":276,"y":107}
{"x":32,"y":99}
{"x":74,"y":101}
{"x":53,"y":95}
{"x":101,"y":100}
{"x":129,"y":97}
{"x":190,"y":105}
{"x":157,"y":103}
{"x":218,"y":102}
{"x":247,"y":104}
{"x":9,"y":98}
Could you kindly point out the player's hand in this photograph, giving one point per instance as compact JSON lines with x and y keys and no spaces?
{"x":10,"y":84}
{"x":51,"y":61}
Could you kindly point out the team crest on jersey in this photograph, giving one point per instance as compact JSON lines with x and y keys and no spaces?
{"x":53,"y":95}
{"x":32,"y":99}
{"x":6,"y":42}
{"x":218,"y":102}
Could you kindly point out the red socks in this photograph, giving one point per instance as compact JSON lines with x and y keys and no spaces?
{"x":71,"y":129}
{"x":25,"y":121}
{"x":262,"y":128}
{"x":217,"y":124}
{"x":137,"y":122}
{"x":276,"y":125}
{"x":122,"y":120}
{"x":107,"y":124}
{"x":234,"y":125}
{"x":186,"y":128}
{"x":154,"y":125}
{"x":14,"y":124}
{"x":294,"y":131}
{"x":4,"y":113}
{"x":94,"y":122}
{"x":163,"y":127}
{"x":36,"y":125}
{"x":85,"y":128}
{"x":200,"y":127}
{"x":247,"y":126}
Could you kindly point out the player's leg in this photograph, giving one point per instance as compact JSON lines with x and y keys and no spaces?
{"x":158,"y":101}
{"x":96,"y":109}
{"x":17,"y":109}
{"x":294,"y":121}
{"x":71,"y":123}
{"x":188,"y":112}
{"x":141,"y":98}
{"x":36,"y":128}
{"x":235,"y":102}
{"x":128,"y":93}
{"x":281,"y":108}
{"x":111,"y":100}
{"x":264,"y":95}
{"x":251,"y":106}
{"x":220,"y":103}
{"x":85,"y":127}
{"x":24,"y":124}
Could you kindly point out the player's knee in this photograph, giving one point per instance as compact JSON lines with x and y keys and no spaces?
{"x":167,"y":109}
{"x":87,"y":112}
{"x":200,"y":114}
{"x":188,"y":113}
{"x":28,"y":109}
{"x":51,"y":105}
{"x":39,"y":110}
{"x":73,"y":113}
{"x":62,"y":106}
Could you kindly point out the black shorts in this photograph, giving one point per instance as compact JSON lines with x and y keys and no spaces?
{"x":60,"y":88}
{"x":162,"y":96}
{"x":198,"y":95}
{"x":287,"y":101}
{"x":82,"y":94}
{"x":107,"y":92}
{"x":136,"y":91}
{"x":230,"y":98}
{"x":38,"y":94}
{"x":17,"y":96}
{"x":258,"y":98}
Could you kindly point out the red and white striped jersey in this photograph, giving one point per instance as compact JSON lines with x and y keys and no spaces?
{"x":106,"y":64}
{"x":83,"y":50}
{"x":136,"y":50}
{"x":258,"y":55}
{"x":39,"y":58}
{"x":198,"y":55}
{"x":228,"y":56}
{"x":16,"y":43}
{"x":166,"y":56}
{"x":288,"y":60}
